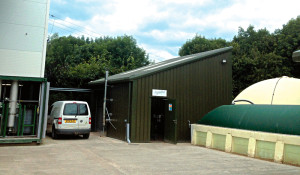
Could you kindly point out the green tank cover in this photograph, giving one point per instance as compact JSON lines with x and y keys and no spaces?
{"x":283,"y":119}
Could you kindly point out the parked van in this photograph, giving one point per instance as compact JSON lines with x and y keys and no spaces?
{"x":69,"y":118}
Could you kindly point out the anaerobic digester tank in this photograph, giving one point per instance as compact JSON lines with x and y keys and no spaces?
{"x":270,"y":106}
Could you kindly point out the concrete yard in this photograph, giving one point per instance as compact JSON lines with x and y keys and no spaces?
{"x":103,"y":155}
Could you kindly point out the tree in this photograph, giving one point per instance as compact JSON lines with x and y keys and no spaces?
{"x":254,"y":58}
{"x":288,"y":41}
{"x":201,"y":44}
{"x":73,"y":62}
{"x":250,"y":69}
{"x":251,"y":39}
{"x":123,"y":53}
{"x":84,"y":72}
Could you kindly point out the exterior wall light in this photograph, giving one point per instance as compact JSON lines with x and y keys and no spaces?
{"x":224,"y":61}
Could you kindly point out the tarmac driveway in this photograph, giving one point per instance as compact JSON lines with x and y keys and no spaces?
{"x":103,"y":155}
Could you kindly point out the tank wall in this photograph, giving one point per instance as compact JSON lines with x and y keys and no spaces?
{"x":280,"y":148}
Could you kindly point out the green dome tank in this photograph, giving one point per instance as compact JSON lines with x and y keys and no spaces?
{"x":283,"y":119}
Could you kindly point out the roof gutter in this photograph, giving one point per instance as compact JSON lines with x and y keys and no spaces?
{"x":102,"y":80}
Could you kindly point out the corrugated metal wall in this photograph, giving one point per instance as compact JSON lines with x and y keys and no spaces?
{"x":197,"y":87}
{"x":119,"y":109}
{"x":96,"y":106}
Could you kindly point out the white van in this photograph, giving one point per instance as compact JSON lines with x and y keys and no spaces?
{"x":69,"y":118}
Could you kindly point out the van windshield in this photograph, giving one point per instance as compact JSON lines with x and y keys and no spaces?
{"x":75,"y":109}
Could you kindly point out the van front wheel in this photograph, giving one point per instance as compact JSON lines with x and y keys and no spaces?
{"x":86,"y":136}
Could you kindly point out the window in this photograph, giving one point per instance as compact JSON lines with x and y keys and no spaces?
{"x":70,"y":109}
{"x":55,"y":112}
{"x":75,"y":109}
{"x":83,"y":109}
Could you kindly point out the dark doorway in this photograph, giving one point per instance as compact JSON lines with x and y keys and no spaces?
{"x":163,"y":120}
{"x":157,"y":118}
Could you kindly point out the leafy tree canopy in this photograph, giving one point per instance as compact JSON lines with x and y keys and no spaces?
{"x":201,"y":44}
{"x":73,"y":62}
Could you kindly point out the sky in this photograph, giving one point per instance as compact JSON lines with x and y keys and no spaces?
{"x":161,"y":27}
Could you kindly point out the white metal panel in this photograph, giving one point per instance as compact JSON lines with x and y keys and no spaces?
{"x":21,"y":63}
{"x":23,"y":37}
{"x":45,"y":38}
{"x":21,"y":12}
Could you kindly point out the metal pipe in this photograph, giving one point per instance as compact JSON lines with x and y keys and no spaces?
{"x":13,"y":104}
{"x":104,"y":101}
{"x":127,"y":132}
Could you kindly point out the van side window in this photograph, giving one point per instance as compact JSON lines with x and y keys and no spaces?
{"x":83,"y":109}
{"x":55,"y":112}
{"x":70,"y":109}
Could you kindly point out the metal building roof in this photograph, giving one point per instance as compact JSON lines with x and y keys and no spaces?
{"x":161,"y":66}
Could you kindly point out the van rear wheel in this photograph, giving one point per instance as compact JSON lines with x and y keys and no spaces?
{"x":86,"y":136}
{"x":53,"y":134}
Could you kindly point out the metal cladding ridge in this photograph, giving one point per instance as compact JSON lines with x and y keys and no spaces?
{"x":283,"y":119}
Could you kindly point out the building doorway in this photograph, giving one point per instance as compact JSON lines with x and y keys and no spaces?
{"x":163,"y":120}
{"x":157,"y":118}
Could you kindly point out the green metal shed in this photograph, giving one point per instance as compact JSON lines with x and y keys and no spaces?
{"x":161,"y":100}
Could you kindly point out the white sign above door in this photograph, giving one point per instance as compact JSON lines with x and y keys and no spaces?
{"x":159,"y":93}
